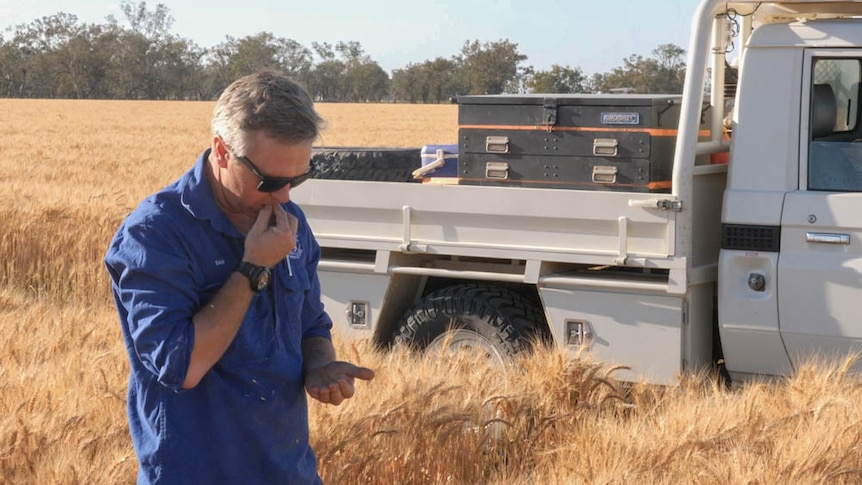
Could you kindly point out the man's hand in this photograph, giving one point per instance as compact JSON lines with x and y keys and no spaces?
{"x":272,"y":236}
{"x":333,"y":382}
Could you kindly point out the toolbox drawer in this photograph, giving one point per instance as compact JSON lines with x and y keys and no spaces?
{"x":584,"y":173}
{"x":591,"y":142}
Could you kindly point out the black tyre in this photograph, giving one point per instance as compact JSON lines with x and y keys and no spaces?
{"x":484,"y":318}
{"x":375,"y":164}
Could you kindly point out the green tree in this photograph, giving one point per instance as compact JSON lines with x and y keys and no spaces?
{"x":663,"y":73}
{"x":64,"y":44}
{"x":139,"y":53}
{"x":367,"y":82}
{"x":559,"y":79}
{"x":295,"y":59}
{"x":433,"y":81}
{"x":518,"y":85}
{"x":363,"y":79}
{"x":326,"y":81}
{"x":235,"y":58}
{"x":57,"y":56}
{"x":351,"y":52}
{"x":30,"y":72}
{"x":182,"y":74}
{"x":439,"y":81}
{"x":18,"y":58}
{"x":50,"y":57}
{"x":7,"y":61}
{"x":346,"y":73}
{"x":597,"y":82}
{"x":327,"y":78}
{"x":490,"y":66}
{"x":671,"y":61}
{"x":406,"y":82}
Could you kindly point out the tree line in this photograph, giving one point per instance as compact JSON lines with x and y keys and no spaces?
{"x":60,"y":57}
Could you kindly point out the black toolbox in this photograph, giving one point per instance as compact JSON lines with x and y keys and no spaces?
{"x":583,"y":141}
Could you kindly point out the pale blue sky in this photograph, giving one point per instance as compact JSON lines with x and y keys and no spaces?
{"x":594,"y":36}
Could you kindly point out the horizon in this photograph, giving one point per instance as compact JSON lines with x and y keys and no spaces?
{"x":413,"y":32}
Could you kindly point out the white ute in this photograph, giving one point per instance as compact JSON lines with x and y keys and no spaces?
{"x":757,"y":261}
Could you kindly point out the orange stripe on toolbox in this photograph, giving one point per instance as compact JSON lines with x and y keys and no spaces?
{"x":651,"y":131}
{"x":664,"y":184}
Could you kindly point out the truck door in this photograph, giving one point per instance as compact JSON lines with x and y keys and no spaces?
{"x":820,"y":259}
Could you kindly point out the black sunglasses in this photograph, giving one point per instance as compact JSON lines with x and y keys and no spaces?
{"x":272,"y":184}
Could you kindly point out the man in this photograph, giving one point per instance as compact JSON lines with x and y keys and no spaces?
{"x":215,"y":281}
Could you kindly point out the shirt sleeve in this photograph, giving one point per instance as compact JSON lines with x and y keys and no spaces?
{"x":154,"y":290}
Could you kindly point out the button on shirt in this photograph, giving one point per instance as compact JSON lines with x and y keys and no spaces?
{"x":246,"y":422}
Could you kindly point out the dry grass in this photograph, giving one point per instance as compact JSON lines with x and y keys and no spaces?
{"x":69,"y":172}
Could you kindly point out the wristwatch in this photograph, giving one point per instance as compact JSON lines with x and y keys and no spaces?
{"x":258,"y":276}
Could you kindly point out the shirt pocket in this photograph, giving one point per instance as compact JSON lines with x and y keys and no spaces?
{"x":292,"y":285}
{"x":255,"y":340}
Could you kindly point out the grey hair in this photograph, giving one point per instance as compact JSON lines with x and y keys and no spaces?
{"x":266,"y":101}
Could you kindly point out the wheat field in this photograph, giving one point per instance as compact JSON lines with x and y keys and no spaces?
{"x":71,"y":170}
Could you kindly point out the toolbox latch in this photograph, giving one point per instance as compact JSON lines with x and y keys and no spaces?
{"x":606,"y":147}
{"x":357,"y":314}
{"x":549,"y":112}
{"x":497,"y":170}
{"x":674,"y":205}
{"x":497,"y":144}
{"x":604,"y":174}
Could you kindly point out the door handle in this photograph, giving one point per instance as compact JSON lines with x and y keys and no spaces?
{"x":827,"y":238}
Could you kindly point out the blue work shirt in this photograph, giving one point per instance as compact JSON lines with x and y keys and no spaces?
{"x":246,"y":422}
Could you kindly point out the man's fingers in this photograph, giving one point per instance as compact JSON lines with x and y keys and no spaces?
{"x":336,"y":396}
{"x":334,"y":383}
{"x":361,"y":373}
{"x":281,"y":219}
{"x":263,"y":217}
{"x":332,"y":394}
{"x":345,"y":388}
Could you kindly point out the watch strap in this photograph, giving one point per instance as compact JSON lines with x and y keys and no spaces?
{"x":258,"y":276}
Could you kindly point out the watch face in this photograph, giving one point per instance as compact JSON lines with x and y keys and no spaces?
{"x":262,"y":280}
{"x":258,"y":276}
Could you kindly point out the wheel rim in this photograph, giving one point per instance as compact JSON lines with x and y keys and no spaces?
{"x":460,"y":340}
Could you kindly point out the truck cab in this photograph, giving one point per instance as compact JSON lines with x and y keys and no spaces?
{"x":754,"y":263}
{"x":789,"y":268}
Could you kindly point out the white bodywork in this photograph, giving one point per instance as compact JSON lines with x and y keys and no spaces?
{"x":383,"y":241}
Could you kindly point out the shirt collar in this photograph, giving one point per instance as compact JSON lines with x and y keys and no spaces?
{"x":197,"y":197}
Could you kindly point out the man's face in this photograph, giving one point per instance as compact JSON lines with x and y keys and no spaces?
{"x":271,"y":158}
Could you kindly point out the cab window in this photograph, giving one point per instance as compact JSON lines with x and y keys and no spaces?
{"x":835,"y":138}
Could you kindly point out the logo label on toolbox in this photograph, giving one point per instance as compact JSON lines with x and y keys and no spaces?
{"x":620,"y":118}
